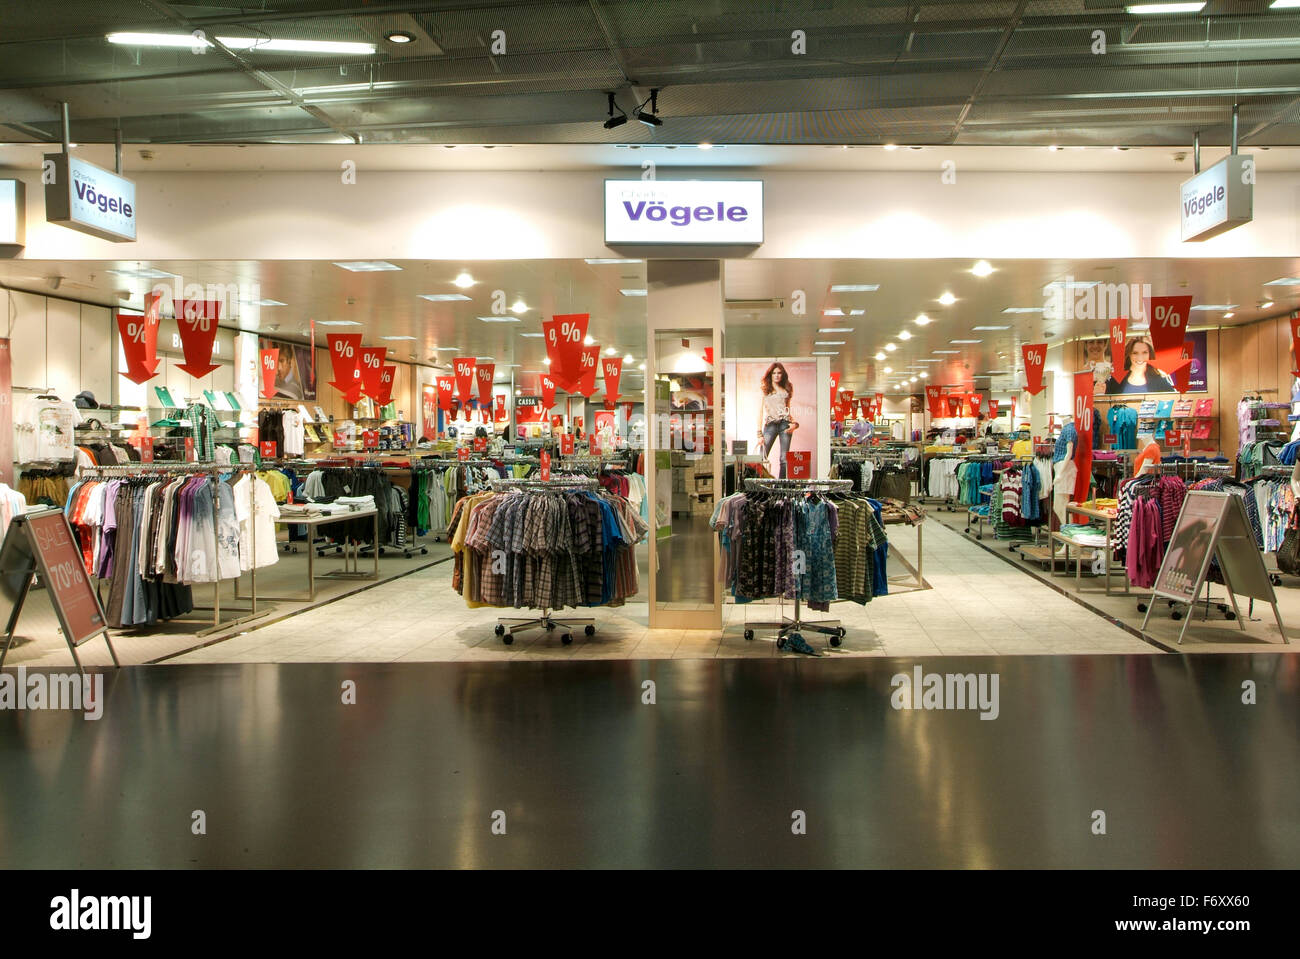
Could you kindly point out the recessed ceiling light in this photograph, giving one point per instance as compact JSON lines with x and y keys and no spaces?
{"x":588,"y":340}
{"x":1146,"y":9}
{"x":640,"y":366}
{"x":833,"y":311}
{"x":965,"y":341}
{"x":911,"y":379}
{"x":546,"y":360}
{"x":633,"y":292}
{"x":398,"y":36}
{"x":604,"y":260}
{"x":947,"y":299}
{"x":1023,"y":309}
{"x":1280,"y":281}
{"x":880,"y":356}
{"x":891,"y":147}
{"x":627,"y":357}
{"x":704,"y":146}
{"x":835,"y":329}
{"x":397,"y":337}
{"x":499,"y":319}
{"x":337,"y":323}
{"x":610,"y":351}
{"x":982,"y":268}
{"x":946,"y":351}
{"x":367,"y":266}
{"x":1228,"y":316}
{"x":890,"y":347}
{"x":905,"y":334}
{"x":889,"y":369}
{"x":922,"y":320}
{"x":443,"y":297}
{"x":1053,"y":148}
{"x":855,"y":287}
{"x":265,"y":44}
{"x":1266,"y":304}
{"x":925,"y":376}
{"x":985,"y":328}
{"x":463,"y":280}
{"x":829,"y":343}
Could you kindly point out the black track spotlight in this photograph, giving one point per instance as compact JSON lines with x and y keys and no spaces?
{"x":614,"y":121}
{"x":649,"y":119}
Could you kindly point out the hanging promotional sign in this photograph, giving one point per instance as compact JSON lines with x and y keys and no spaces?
{"x":528,"y":409}
{"x":1295,"y":343}
{"x":1168,"y":316}
{"x":684,"y":212}
{"x":268,"y":359}
{"x":588,"y":361}
{"x":499,"y":412}
{"x":1218,"y":198}
{"x":566,"y":444}
{"x":954,"y":405}
{"x":564,"y":345}
{"x":1118,"y":337}
{"x":548,"y":391}
{"x":993,"y":408}
{"x":545,"y":458}
{"x":835,"y":386}
{"x":798,"y":464}
{"x":267,"y":449}
{"x":1084,"y":424}
{"x":429,"y":407}
{"x":370,"y":363}
{"x":613,"y":371}
{"x":387,"y":375}
{"x":976,"y":404}
{"x":345,"y":359}
{"x":140,"y":340}
{"x":146,"y":449}
{"x":89,"y":199}
{"x":1035,"y":355}
{"x":446,"y":385}
{"x":197,"y":320}
{"x":464,"y":369}
{"x":483,"y":374}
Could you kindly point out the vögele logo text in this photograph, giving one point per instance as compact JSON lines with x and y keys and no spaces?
{"x":104,"y":202}
{"x":656,"y":211}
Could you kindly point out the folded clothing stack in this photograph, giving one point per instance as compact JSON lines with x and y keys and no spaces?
{"x":356,"y":503}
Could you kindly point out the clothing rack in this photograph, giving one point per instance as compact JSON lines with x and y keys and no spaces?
{"x":787,"y":626}
{"x":507,"y":626}
{"x":190,"y":469}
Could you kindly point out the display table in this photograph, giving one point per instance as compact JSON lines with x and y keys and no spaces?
{"x":1108,"y":548}
{"x":901,"y":521}
{"x":351,"y":552}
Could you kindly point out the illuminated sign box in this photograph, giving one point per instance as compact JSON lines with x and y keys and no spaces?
{"x":84,"y":197}
{"x":684,"y":212}
{"x":1218,"y":199}
{"x":13,"y":213}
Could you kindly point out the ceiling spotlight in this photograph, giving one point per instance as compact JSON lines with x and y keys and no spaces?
{"x":614,"y":121}
{"x":890,"y":347}
{"x":706,"y":145}
{"x":627,"y":358}
{"x":925,"y":376}
{"x":610,"y":351}
{"x":640,"y":366}
{"x":905,"y":335}
{"x":519,"y":306}
{"x":546,"y":360}
{"x":649,"y":119}
{"x":889,"y":369}
{"x":588,"y":340}
{"x":463,"y":280}
{"x":399,"y":36}
{"x":1053,"y":148}
{"x":880,"y":356}
{"x":1266,"y":304}
{"x":922,"y":320}
{"x":982,"y":268}
{"x":947,"y":299}
{"x":1228,"y":316}
{"x":891,"y":147}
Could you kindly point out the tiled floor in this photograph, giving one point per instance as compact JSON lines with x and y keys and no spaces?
{"x":978,"y":605}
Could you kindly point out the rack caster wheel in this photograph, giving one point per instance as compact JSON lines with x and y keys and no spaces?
{"x":1176,"y":615}
{"x":566,"y":638}
{"x":507,"y":639}
{"x":979,"y":535}
{"x":1275,"y":579}
{"x":780,"y":643}
{"x":835,"y":640}
{"x":500,"y":630}
{"x":550,"y":626}
{"x":1142,"y":607}
{"x":1229,"y":614}
{"x":749,"y":634}
{"x":842,"y":633}
{"x":590,"y":630}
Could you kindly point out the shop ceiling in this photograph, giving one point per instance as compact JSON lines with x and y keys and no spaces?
{"x":1017,"y":72}
{"x":762,"y":298}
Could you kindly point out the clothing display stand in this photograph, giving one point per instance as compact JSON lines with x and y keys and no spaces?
{"x":788,"y":626}
{"x":190,"y":469}
{"x":507,"y":626}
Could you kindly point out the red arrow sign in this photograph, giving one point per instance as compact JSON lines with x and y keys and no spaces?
{"x":269,"y":358}
{"x":564,"y":345}
{"x":548,"y":391}
{"x":446,"y":385}
{"x":483,"y":373}
{"x":384,"y":395}
{"x":1168,"y":315}
{"x":197,"y":320}
{"x":371,"y":365}
{"x":1118,"y":338}
{"x":140,"y":341}
{"x":588,"y":360}
{"x":464,"y":369}
{"x":1035,"y":355}
{"x":613,"y":370}
{"x":345,"y":359}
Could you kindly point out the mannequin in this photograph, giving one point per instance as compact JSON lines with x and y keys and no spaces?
{"x":1064,"y":468}
{"x":1149,"y":454}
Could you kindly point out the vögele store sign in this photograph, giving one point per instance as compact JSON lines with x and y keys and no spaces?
{"x":84,"y":197}
{"x":684,"y":212}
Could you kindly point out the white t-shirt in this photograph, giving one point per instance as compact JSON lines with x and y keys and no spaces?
{"x":267,"y":513}
{"x":43,"y":430}
{"x":776,"y":406}
{"x":291,"y":420}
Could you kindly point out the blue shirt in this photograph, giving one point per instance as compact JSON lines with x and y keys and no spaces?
{"x":1068,"y":435}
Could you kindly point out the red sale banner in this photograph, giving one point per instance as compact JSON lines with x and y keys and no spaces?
{"x":835,"y":385}
{"x":846,"y":396}
{"x":566,"y":444}
{"x":798,"y":464}
{"x":462,"y":453}
{"x":429,"y":405}
{"x":588,"y":361}
{"x":269,"y":358}
{"x":1173,"y":437}
{"x":146,"y":449}
{"x":371,"y":365}
{"x":546,"y":465}
{"x":140,"y":341}
{"x":564,"y":345}
{"x":464,"y":367}
{"x":548,"y":391}
{"x":267,"y":448}
{"x":345,"y":359}
{"x":480,"y":444}
{"x":993,"y":408}
{"x":370,"y":439}
{"x":197,"y":320}
{"x":1083,"y":382}
{"x":976,"y":401}
{"x":1035,"y":355}
{"x":386,"y":377}
{"x":189,"y":450}
{"x":557,"y":422}
{"x":1168,"y":315}
{"x":954,"y":405}
{"x":499,"y":413}
{"x":445,"y":386}
{"x":932,"y":395}
{"x":483,"y":373}
{"x":1118,"y":338}
{"x":612,"y":368}
{"x":1295,"y":343}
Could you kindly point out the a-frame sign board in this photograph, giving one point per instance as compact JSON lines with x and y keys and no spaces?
{"x":1213,"y":525}
{"x":43,"y":542}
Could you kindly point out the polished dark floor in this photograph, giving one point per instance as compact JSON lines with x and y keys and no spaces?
{"x":587,"y":775}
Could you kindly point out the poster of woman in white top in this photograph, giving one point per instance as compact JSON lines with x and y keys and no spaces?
{"x":772,"y":404}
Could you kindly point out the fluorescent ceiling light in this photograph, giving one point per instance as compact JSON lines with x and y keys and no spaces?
{"x":1144,"y":9}
{"x":263,"y":303}
{"x":1229,"y":315}
{"x":337,"y":323}
{"x":947,"y":299}
{"x":835,"y":329}
{"x":532,"y":336}
{"x":397,"y":337}
{"x":829,"y":343}
{"x":499,"y":319}
{"x":603,"y":261}
{"x":945,"y":351}
{"x":1072,"y":285}
{"x":633,"y":292}
{"x":443,"y":297}
{"x":855,"y":287}
{"x":1206,"y":307}
{"x":833,"y":311}
{"x":922,"y":320}
{"x":1023,"y":309}
{"x":1280,"y":281}
{"x":184,"y":40}
{"x":825,"y":352}
{"x":1284,"y":4}
{"x":984,"y":328}
{"x":148,"y":274}
{"x":367,"y":266}
{"x":904,"y":335}
{"x":1266,"y":304}
{"x":982,"y":268}
{"x":928,"y":360}
{"x":965,"y":341}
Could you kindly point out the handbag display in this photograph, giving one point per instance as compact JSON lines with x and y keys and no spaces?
{"x":1288,"y":553}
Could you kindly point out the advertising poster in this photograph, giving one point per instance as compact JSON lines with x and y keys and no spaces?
{"x":772,"y":404}
{"x":295,"y":377}
{"x":606,"y":429}
{"x":1139,"y":372}
{"x":429,"y":411}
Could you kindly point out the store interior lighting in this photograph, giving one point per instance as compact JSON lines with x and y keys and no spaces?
{"x":648,"y":117}
{"x":614,"y":121}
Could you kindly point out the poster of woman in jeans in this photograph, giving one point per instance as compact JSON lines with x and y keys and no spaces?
{"x":772,"y":405}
